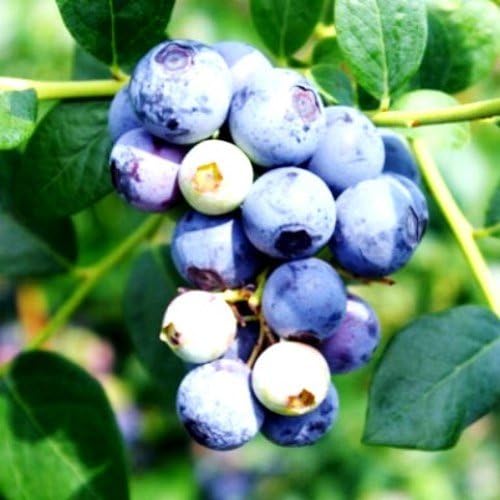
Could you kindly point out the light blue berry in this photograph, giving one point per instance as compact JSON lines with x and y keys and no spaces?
{"x":181,"y":91}
{"x":350,"y":150}
{"x":304,"y":298}
{"x":289,"y":213}
{"x":277,"y":118}
{"x":217,"y":407}
{"x":121,"y":116}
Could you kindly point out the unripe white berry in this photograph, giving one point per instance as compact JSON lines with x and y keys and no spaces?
{"x":291,"y":378}
{"x":198,"y":326}
{"x":215,"y":176}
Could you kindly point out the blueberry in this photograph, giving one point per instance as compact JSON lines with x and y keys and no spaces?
{"x":380,"y":223}
{"x":304,"y":298}
{"x":354,"y":341}
{"x":350,"y":150}
{"x":398,"y":157}
{"x":289,"y":213}
{"x":213,"y":253}
{"x":277,"y":118}
{"x":215,"y":176}
{"x":244,"y":343}
{"x":11,"y":341}
{"x":144,"y":170}
{"x":181,"y":91}
{"x":216,"y":405}
{"x":228,"y":484}
{"x":303,"y":430}
{"x":198,"y":326}
{"x":244,"y":61}
{"x":121,"y":116}
{"x":129,"y":422}
{"x":417,"y":197}
{"x":290,"y":378}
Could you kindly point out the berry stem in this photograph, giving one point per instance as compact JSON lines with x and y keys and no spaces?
{"x":90,"y":279}
{"x":256,"y":298}
{"x":64,"y":90}
{"x":264,"y":333}
{"x":325,"y":30}
{"x":233,"y":295}
{"x":462,"y":112}
{"x":459,"y":225}
{"x":485,"y":232}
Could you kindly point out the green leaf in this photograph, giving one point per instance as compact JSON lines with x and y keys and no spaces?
{"x":35,"y":247}
{"x":59,"y":436}
{"x":87,"y":67}
{"x":29,"y":244}
{"x":18,"y":111}
{"x":117,"y":32}
{"x":438,"y":137}
{"x":152,"y":285}
{"x":327,"y":51}
{"x":493,"y":213}
{"x":285,"y":25}
{"x":461,"y":45}
{"x":65,"y":165}
{"x":333,"y":84}
{"x":435,"y":378}
{"x":383,"y":41}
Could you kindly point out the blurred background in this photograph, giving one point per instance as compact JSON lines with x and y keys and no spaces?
{"x":164,"y":465}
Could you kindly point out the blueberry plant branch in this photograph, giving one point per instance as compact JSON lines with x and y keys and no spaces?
{"x":47,"y":90}
{"x":64,"y":89}
{"x":485,"y":232}
{"x":462,"y":112}
{"x":459,"y":225}
{"x":90,"y":279}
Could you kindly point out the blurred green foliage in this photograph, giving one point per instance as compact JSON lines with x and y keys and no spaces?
{"x":35,"y":44}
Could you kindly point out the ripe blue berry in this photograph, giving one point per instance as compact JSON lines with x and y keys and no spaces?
{"x":216,"y":405}
{"x":349,"y":151}
{"x":213,"y":253}
{"x":198,"y":326}
{"x":354,"y":341}
{"x":243,"y":60}
{"x":291,"y":378}
{"x":303,"y":430}
{"x":243,"y":344}
{"x":398,"y":157}
{"x":304,"y":298}
{"x":121,"y":116}
{"x":144,"y":170}
{"x":380,"y":223}
{"x":289,"y":213}
{"x":11,"y":341}
{"x":181,"y":91}
{"x":417,"y":197}
{"x":277,"y":118}
{"x":215,"y":176}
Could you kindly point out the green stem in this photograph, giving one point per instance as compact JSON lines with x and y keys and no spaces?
{"x":462,"y":112}
{"x":256,"y":298}
{"x":90,"y":279}
{"x":460,"y":226}
{"x":484,"y":232}
{"x":328,"y":15}
{"x":118,"y":74}
{"x":324,"y":31}
{"x":64,"y":90}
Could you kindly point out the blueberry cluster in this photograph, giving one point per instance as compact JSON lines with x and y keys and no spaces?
{"x":267,"y":322}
